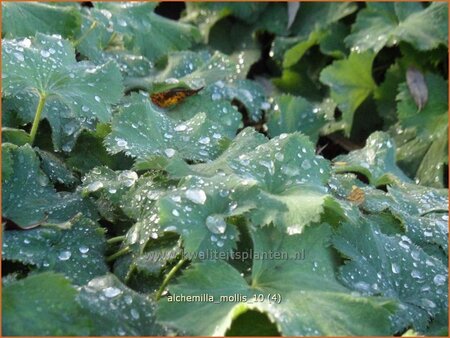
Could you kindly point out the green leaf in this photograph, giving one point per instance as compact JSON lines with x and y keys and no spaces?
{"x":146,"y":33}
{"x":82,"y":161}
{"x":246,"y":141}
{"x":290,"y":178}
{"x":300,"y":311}
{"x":425,"y":154}
{"x":78,"y":251}
{"x":376,"y":161}
{"x":142,"y":130}
{"x":42,"y":304}
{"x":29,"y":198}
{"x":295,"y":114}
{"x":315,"y":16}
{"x":24,"y":19}
{"x":117,"y":310}
{"x":56,"y":169}
{"x":76,"y":94}
{"x":350,"y":81}
{"x":382,"y":25}
{"x":392,"y":267}
{"x":18,"y":137}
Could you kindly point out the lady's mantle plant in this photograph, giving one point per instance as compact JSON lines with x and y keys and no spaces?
{"x":319,"y":133}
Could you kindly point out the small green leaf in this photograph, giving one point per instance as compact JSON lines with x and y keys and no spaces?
{"x":350,"y":81}
{"x":376,"y":161}
{"x":382,"y":25}
{"x":19,"y":137}
{"x":295,"y":114}
{"x":42,"y":304}
{"x":77,"y":252}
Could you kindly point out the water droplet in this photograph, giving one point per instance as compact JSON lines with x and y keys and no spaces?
{"x":180,"y":127}
{"x":439,"y":280}
{"x":197,"y":196}
{"x":306,"y":165}
{"x":83,"y":249}
{"x":19,"y":56}
{"x":128,"y":299}
{"x":45,"y":54}
{"x":128,"y":177}
{"x":94,"y":186}
{"x":395,"y":268}
{"x":216,"y":224}
{"x":64,"y":255}
{"x":97,"y":98}
{"x":279,"y":157}
{"x":121,"y":143}
{"x":111,"y":292}
{"x":169,"y":152}
{"x":204,"y":140}
{"x":175,"y":212}
{"x":134,"y":314}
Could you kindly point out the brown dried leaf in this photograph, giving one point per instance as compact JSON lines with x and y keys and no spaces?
{"x":417,"y":87}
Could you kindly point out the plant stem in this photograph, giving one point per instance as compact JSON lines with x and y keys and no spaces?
{"x":169,"y":277}
{"x":115,"y":239}
{"x":90,"y":29}
{"x":37,"y":117}
{"x":118,"y":254}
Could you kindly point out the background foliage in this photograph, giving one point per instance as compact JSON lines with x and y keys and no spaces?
{"x":320,"y":127}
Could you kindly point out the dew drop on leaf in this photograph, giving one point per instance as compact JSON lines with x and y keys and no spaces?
{"x":64,"y":255}
{"x":83,"y":249}
{"x":395,"y":268}
{"x":111,"y":292}
{"x":216,"y":224}
{"x":439,"y":280}
{"x":197,"y":196}
{"x":94,"y":186}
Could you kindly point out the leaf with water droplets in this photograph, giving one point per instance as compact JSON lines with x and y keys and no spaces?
{"x":394,"y":267}
{"x":142,"y":130}
{"x":56,"y":169}
{"x":199,"y":210}
{"x":135,"y":22}
{"x":382,"y":24}
{"x":28,"y":196}
{"x":376,"y":161}
{"x":24,"y":19}
{"x":306,"y":285}
{"x":291,"y":113}
{"x":78,"y":252}
{"x":77,"y":93}
{"x":43,"y":304}
{"x":290,"y":180}
{"x":117,"y":310}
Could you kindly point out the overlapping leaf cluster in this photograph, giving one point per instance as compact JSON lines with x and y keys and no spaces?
{"x":113,"y":205}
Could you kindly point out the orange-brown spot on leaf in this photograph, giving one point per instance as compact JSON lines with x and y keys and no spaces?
{"x":357,"y":195}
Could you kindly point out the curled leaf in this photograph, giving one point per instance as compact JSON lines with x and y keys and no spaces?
{"x":172,"y":97}
{"x":417,"y":87}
